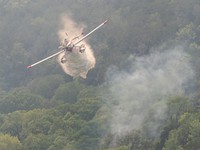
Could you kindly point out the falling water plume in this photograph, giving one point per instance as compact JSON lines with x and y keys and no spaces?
{"x":77,"y":64}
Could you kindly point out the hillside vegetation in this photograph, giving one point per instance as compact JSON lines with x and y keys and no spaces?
{"x":155,"y":108}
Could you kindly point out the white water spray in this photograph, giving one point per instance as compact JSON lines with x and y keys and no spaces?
{"x":77,"y":64}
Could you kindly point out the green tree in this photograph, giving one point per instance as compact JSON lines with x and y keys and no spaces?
{"x":8,"y":142}
{"x":59,"y":143}
{"x":176,"y":106}
{"x":37,"y":142}
{"x":89,"y":102}
{"x":38,"y":121}
{"x":12,"y":124}
{"x":20,"y":99}
{"x":87,"y":143}
{"x":68,"y":92}
{"x":46,"y":86}
{"x":186,"y":136}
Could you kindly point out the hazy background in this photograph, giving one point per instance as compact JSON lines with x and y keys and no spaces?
{"x":143,"y":92}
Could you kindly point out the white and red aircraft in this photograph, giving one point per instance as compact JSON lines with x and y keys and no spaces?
{"x":68,"y":46}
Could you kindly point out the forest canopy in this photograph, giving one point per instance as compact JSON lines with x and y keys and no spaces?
{"x":142,"y":94}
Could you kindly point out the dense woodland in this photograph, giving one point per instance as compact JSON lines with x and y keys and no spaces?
{"x":45,"y":109}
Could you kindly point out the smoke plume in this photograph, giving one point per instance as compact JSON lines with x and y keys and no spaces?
{"x":77,"y":64}
{"x":146,"y":86}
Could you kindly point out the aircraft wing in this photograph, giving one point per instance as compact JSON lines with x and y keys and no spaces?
{"x":84,"y":37}
{"x":45,"y":59}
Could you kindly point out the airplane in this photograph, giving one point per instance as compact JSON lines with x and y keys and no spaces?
{"x":68,"y":46}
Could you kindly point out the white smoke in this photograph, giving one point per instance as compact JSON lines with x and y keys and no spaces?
{"x":77,"y":64}
{"x":147,"y":84}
